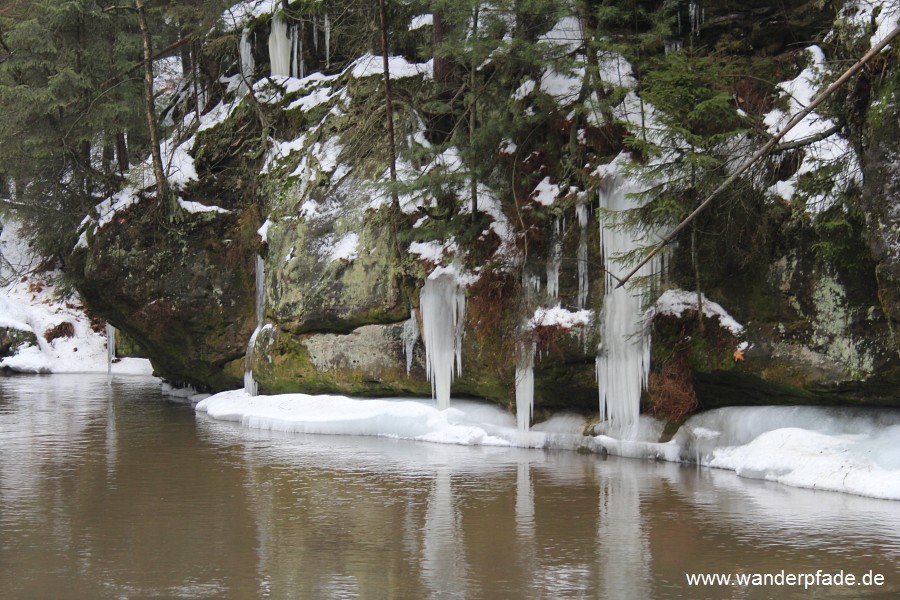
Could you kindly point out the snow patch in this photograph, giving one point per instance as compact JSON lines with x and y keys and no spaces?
{"x":434,"y":250}
{"x":545,"y":192}
{"x":345,"y":248}
{"x":558,"y":316}
{"x":196,"y":207}
{"x":676,"y":302}
{"x":371,"y":64}
{"x":420,"y":21}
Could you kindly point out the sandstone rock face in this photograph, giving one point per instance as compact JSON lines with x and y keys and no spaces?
{"x":185,"y":294}
{"x":881,"y":202}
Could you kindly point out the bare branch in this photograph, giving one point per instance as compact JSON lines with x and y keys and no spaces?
{"x":810,"y":139}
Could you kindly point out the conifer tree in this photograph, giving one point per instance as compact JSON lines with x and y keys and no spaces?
{"x":66,"y":97}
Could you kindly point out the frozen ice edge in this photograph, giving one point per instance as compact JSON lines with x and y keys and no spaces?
{"x":855,"y":451}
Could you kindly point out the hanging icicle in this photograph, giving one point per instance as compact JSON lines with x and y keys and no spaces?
{"x":294,"y":40}
{"x":525,"y":384}
{"x":250,"y":386}
{"x":279,"y":47}
{"x":409,"y":337}
{"x":302,"y":66}
{"x":697,"y":16}
{"x":327,"y":41}
{"x":443,"y":305}
{"x":553,"y":263}
{"x":581,"y":212}
{"x":623,"y":359}
{"x":315,"y":33}
{"x":247,"y":63}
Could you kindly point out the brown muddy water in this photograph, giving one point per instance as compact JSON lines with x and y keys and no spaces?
{"x":116,"y":492}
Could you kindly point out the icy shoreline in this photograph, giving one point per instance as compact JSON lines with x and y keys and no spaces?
{"x":855,"y":451}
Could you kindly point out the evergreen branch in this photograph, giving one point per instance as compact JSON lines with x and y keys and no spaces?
{"x":766,"y":149}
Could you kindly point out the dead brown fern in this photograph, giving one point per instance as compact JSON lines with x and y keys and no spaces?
{"x":63,"y":330}
{"x":671,"y":390}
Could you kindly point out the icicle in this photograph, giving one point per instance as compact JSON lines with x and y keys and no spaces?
{"x":247,"y":63}
{"x":443,"y":306}
{"x":697,"y":17}
{"x":582,"y":256}
{"x":302,"y":67}
{"x":279,"y":47}
{"x":525,"y":385}
{"x":110,"y":350}
{"x":316,"y":33}
{"x":250,"y":386}
{"x":327,"y":41}
{"x":410,"y":336}
{"x":673,"y":45}
{"x":623,"y":359}
{"x":553,"y":263}
{"x":294,"y":54}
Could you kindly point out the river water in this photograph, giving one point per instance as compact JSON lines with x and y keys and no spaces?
{"x":113,"y":491}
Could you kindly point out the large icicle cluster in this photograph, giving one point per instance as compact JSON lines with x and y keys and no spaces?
{"x":443,"y":305}
{"x":623,"y":359}
{"x":280,"y":47}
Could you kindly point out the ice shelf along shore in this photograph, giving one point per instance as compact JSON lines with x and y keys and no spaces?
{"x":855,"y":451}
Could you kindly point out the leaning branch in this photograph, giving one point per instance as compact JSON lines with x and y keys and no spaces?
{"x":766,"y":149}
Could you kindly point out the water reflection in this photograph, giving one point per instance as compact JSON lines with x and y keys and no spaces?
{"x":113,"y":492}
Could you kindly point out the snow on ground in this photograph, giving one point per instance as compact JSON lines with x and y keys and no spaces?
{"x":855,"y":451}
{"x":27,"y":303}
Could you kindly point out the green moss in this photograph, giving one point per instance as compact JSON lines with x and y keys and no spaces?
{"x":285,"y":365}
{"x":11,"y":339}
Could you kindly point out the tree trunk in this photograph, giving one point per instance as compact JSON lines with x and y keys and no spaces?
{"x":473,"y":120}
{"x":162,"y":184}
{"x":389,"y":104}
{"x":122,"y":152}
{"x":443,"y":66}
